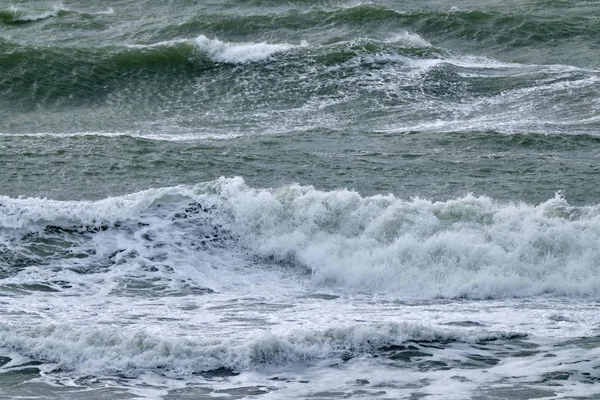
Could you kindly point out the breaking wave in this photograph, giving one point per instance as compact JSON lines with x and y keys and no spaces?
{"x":471,"y":247}
{"x":15,"y":15}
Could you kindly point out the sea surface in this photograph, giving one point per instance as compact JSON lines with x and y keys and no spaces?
{"x":266,"y":199}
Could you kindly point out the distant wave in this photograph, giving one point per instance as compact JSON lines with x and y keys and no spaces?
{"x":490,"y":28}
{"x":403,"y":67}
{"x":238,"y":52}
{"x":228,"y":52}
{"x":156,"y":136}
{"x":77,"y":74}
{"x":16,"y":15}
{"x":470,"y":247}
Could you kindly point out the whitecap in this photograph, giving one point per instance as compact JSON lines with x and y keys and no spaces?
{"x":239,"y":53}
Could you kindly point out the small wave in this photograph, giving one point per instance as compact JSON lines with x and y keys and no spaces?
{"x":238,"y":53}
{"x":409,"y":38}
{"x":15,"y":15}
{"x":30,"y":212}
{"x":226,"y":52}
{"x":98,"y":352}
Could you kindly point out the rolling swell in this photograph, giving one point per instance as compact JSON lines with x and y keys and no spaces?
{"x":75,"y":75}
{"x":59,"y":76}
{"x":494,"y":32}
{"x":489,"y":27}
{"x":206,"y":77}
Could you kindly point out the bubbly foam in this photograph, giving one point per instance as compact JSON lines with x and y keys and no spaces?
{"x":472,"y":246}
{"x":468,"y":247}
{"x":109,"y":351}
{"x":32,"y":212}
{"x":409,"y":38}
{"x":227,"y":52}
{"x":238,"y":53}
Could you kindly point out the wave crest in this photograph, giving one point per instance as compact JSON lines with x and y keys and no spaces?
{"x":238,"y":53}
{"x":468,"y":247}
{"x":15,"y":15}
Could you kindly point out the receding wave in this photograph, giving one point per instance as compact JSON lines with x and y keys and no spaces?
{"x":490,"y":27}
{"x":471,"y":247}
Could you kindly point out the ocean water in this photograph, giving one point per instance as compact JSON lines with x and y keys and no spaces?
{"x":300,"y":200}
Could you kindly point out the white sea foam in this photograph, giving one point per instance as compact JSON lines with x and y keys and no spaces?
{"x":481,"y":66}
{"x":30,"y":212}
{"x":128,"y":300}
{"x":468,"y":247}
{"x":238,"y":53}
{"x":102,"y":351}
{"x":227,"y":52}
{"x":409,"y":38}
{"x":471,"y":246}
{"x":108,"y":11}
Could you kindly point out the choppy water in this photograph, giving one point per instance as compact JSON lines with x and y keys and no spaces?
{"x":300,"y":200}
